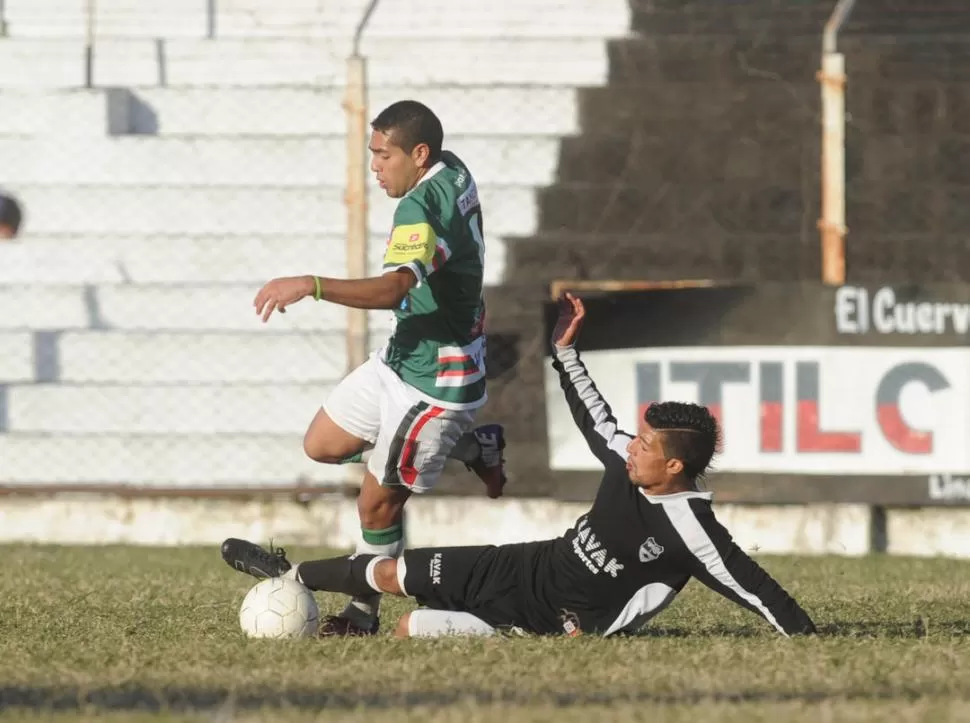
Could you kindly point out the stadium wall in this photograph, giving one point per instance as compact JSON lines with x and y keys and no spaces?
{"x":846,"y":413}
{"x":823,"y":529}
{"x":140,"y":242}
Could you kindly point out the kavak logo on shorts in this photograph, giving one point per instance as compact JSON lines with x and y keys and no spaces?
{"x":435,"y":569}
{"x":650,"y":550}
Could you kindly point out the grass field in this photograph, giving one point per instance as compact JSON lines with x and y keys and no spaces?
{"x":133,"y":634}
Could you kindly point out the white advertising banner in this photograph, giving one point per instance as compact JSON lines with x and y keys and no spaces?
{"x":801,"y":410}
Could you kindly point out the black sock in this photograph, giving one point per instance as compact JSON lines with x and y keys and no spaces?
{"x":347,"y":574}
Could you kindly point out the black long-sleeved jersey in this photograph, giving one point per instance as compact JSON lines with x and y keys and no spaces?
{"x":628,"y":557}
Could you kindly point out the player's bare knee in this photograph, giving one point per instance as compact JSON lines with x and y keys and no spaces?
{"x":314,"y":451}
{"x":375,"y":514}
{"x":327,"y":443}
{"x":403,"y":629}
{"x":385,"y":575}
{"x":320,"y":448}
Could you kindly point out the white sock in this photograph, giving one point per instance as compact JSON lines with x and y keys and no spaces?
{"x":363,"y":609}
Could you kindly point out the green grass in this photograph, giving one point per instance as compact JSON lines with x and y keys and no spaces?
{"x":142,"y":634}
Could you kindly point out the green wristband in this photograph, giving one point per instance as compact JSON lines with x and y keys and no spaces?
{"x":318,"y":292}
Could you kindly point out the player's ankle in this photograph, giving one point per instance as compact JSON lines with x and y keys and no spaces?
{"x":362,"y":611}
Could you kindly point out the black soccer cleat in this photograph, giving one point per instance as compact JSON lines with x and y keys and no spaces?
{"x":342,"y":626}
{"x":254,"y":560}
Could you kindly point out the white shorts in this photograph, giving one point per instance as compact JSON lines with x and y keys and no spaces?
{"x":427,"y":623}
{"x":411,"y":437}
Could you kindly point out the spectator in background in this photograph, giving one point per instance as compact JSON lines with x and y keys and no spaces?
{"x":10,"y":216}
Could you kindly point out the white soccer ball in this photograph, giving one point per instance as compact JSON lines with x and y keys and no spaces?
{"x":279,"y":607}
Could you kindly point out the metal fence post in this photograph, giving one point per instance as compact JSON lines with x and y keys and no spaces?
{"x":355,"y":106}
{"x":90,"y":10}
{"x":832,"y":78}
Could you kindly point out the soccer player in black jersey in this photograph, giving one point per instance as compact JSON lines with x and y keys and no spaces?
{"x":649,"y":531}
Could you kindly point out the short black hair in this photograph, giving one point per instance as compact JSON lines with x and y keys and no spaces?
{"x":411,"y":123}
{"x":689,"y":432}
{"x":10,"y":212}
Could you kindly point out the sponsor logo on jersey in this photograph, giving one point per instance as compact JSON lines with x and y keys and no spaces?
{"x":592,"y":552}
{"x":410,"y":242}
{"x":650,"y":550}
{"x":435,"y":569}
{"x":468,"y":200}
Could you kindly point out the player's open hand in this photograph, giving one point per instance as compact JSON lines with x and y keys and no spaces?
{"x":570,"y":321}
{"x":280,"y":293}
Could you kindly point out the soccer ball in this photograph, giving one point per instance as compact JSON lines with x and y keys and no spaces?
{"x":279,"y":607}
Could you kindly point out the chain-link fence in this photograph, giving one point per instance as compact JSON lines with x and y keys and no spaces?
{"x":610,"y":141}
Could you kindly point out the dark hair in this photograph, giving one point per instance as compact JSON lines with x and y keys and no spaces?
{"x":689,"y":432}
{"x":10,"y":212}
{"x":411,"y":123}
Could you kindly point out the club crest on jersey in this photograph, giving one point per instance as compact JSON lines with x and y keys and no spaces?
{"x":650,"y":550}
{"x":570,"y":623}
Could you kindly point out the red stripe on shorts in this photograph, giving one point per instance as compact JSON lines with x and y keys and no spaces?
{"x":409,"y":475}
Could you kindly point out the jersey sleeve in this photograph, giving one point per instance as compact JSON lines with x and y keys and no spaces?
{"x":413,"y":244}
{"x":590,"y":411}
{"x":716,"y":560}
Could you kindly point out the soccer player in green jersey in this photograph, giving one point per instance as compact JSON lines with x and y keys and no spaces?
{"x":412,"y":404}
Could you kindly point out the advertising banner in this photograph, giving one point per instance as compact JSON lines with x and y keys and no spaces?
{"x":844,"y":393}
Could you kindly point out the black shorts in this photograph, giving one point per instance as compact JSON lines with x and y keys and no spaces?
{"x":483,"y":580}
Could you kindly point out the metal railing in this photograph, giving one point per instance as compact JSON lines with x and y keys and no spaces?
{"x":89,"y":37}
{"x":832,"y":78}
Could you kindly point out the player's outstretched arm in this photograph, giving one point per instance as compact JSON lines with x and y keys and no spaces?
{"x":590,"y":411}
{"x":379,"y":292}
{"x":721,"y":565}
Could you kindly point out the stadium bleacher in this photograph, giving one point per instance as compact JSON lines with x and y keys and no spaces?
{"x":209,"y":157}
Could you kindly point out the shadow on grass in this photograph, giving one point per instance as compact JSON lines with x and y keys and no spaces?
{"x":713,"y":631}
{"x":140,"y":698}
{"x":917,"y":628}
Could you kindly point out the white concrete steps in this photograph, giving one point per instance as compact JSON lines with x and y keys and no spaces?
{"x":518,"y":110}
{"x":248,"y":161}
{"x":46,"y":63}
{"x":181,"y":18}
{"x":175,"y":358}
{"x":465,"y":110}
{"x":213,"y":259}
{"x":112,"y":409}
{"x":217,"y":210}
{"x":75,"y":114}
{"x":164,"y":259}
{"x":16,"y":357}
{"x":130,"y":357}
{"x":125,"y":307}
{"x":129,"y":350}
{"x":167,"y":460}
